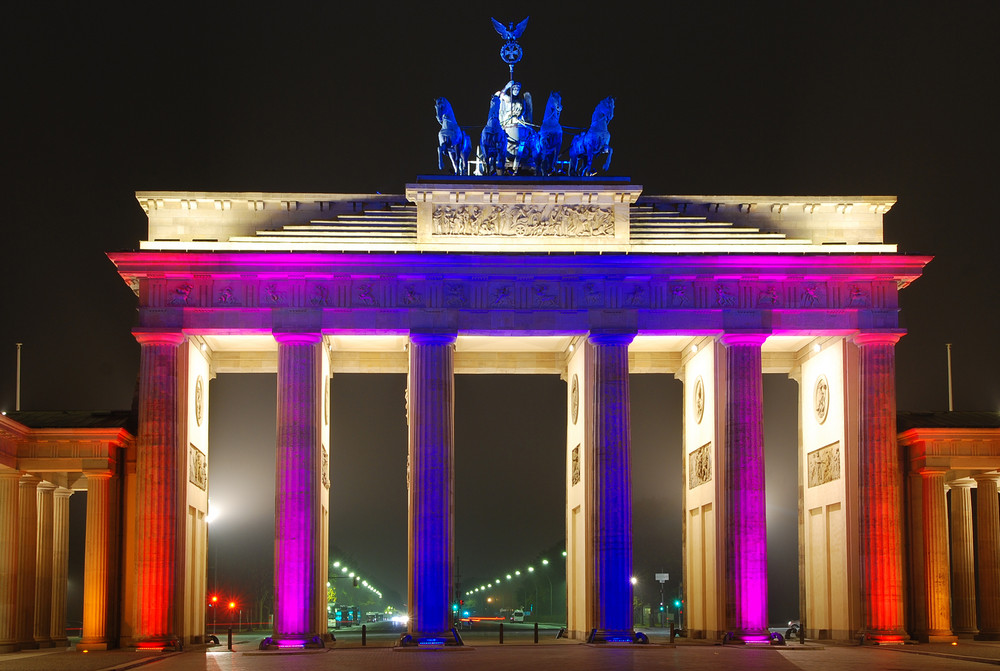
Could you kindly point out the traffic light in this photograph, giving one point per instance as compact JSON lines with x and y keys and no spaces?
{"x":461,"y":602}
{"x":662,"y":608}
{"x":677,"y":603}
{"x":454,"y":607}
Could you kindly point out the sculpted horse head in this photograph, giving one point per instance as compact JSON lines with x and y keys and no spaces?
{"x":453,"y":142}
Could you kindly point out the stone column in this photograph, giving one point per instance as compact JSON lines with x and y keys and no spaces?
{"x":9,"y":553}
{"x":27,"y":538}
{"x":43,"y":566}
{"x":937,"y":572}
{"x":431,"y":483}
{"x":880,"y":509}
{"x":988,"y":551}
{"x":963,"y":570}
{"x":744,"y":495}
{"x":96,"y":563}
{"x":298,"y":487}
{"x":611,"y":496}
{"x":60,"y":564}
{"x":160,"y":452}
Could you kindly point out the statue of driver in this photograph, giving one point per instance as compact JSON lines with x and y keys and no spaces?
{"x":515,"y":114}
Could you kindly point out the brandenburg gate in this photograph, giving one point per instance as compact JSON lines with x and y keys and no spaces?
{"x":587,"y":278}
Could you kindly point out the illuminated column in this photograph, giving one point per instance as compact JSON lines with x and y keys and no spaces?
{"x":988,"y":551}
{"x":8,"y":559}
{"x":963,"y":596}
{"x":937,"y":572}
{"x":880,"y":508}
{"x":27,"y":537}
{"x":60,"y":563}
{"x":298,"y":487}
{"x":96,"y":563}
{"x":611,"y":516}
{"x":430,"y":415}
{"x":160,"y":452}
{"x":43,"y":566}
{"x":744,"y":494}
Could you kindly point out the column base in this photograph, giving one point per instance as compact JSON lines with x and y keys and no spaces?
{"x":27,"y":645}
{"x":92,"y":645}
{"x":443,"y":639}
{"x":9,"y":647}
{"x":611,"y":636}
{"x":938,"y":638}
{"x":60,"y":642}
{"x":968,"y":635}
{"x":47,"y":643}
{"x":290,"y":641}
{"x":172,"y":644}
{"x":744,"y":637}
{"x":882,"y":638}
{"x":987,"y":636}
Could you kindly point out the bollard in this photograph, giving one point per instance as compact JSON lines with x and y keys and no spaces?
{"x":364,"y":634}
{"x":230,"y":638}
{"x":501,"y":632}
{"x":536,"y":632}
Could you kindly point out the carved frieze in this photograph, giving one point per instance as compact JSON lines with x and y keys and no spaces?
{"x":544,"y":295}
{"x":575,"y":479}
{"x":824,"y":465}
{"x":502,"y":295}
{"x":700,"y":466}
{"x":181,"y":294}
{"x":518,"y":221}
{"x":326,"y":469}
{"x":365,"y":294}
{"x":197,"y":468}
{"x":273,"y":294}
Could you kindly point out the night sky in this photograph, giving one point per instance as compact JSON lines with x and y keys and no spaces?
{"x":711,"y":98}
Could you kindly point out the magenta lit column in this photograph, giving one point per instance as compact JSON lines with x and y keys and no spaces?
{"x":43,"y":566}
{"x":988,"y":551}
{"x":160,"y":452}
{"x":96,"y":575}
{"x":298,"y":489}
{"x":880,"y":484}
{"x":611,"y":497}
{"x":963,"y":571}
{"x":745,"y":496}
{"x":430,"y":414}
{"x":8,"y":559}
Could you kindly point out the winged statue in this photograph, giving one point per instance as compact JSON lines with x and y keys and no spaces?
{"x":510,"y":32}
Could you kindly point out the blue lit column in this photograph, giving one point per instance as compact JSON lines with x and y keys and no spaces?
{"x":431,"y":477}
{"x":611,"y":494}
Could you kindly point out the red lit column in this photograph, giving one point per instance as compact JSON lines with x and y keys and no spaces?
{"x":431,"y":479}
{"x":298,"y":488}
{"x":160,"y":452}
{"x":937,"y":572}
{"x":8,"y":559}
{"x":988,"y":551}
{"x":27,"y":538}
{"x":963,"y":571}
{"x":745,"y":496}
{"x":611,"y":494}
{"x":43,"y":566}
{"x":60,"y":564}
{"x":880,"y":509}
{"x":96,"y":563}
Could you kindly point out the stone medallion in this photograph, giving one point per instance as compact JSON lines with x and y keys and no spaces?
{"x":821,"y":398}
{"x":699,"y":399}
{"x":575,"y":398}
{"x":199,"y":400}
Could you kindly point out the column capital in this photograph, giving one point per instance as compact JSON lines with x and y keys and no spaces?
{"x":611,"y":337}
{"x":9,"y":474}
{"x":298,"y":338}
{"x":743,"y":339}
{"x":98,"y":474}
{"x":63,"y":492}
{"x":963,"y":483}
{"x":29,"y":480}
{"x":986,"y":477}
{"x":158,"y":337}
{"x":432,"y":338}
{"x":879,"y":338}
{"x":46,"y":486}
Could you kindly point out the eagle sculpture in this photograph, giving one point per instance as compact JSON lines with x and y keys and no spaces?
{"x":510,"y":32}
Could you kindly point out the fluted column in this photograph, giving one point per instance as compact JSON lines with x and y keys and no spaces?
{"x":937,"y":571}
{"x":988,"y":551}
{"x":745,"y":495}
{"x":963,"y":570}
{"x":611,"y":498}
{"x":27,"y":538}
{"x":880,"y":485}
{"x":60,"y":564}
{"x":431,"y":419}
{"x":43,"y":566}
{"x":298,"y":486}
{"x":9,"y":552}
{"x":160,"y":452}
{"x":96,"y":563}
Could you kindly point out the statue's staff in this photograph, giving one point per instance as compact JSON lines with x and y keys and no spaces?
{"x":511,"y":51}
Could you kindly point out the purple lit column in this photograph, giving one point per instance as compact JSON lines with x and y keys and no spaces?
{"x":430,"y":413}
{"x":159,"y":454}
{"x":880,"y":483}
{"x":745,"y":499}
{"x":611,"y":495}
{"x":298,"y":486}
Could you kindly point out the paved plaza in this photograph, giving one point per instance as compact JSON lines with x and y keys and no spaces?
{"x":489,"y":655}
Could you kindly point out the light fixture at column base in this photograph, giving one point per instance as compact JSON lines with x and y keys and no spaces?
{"x":612,"y":636}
